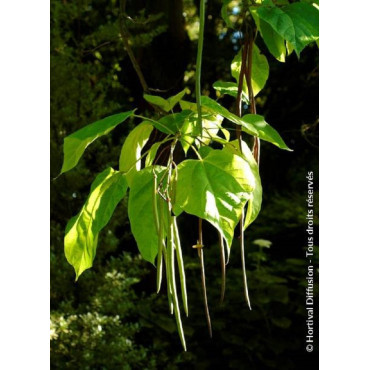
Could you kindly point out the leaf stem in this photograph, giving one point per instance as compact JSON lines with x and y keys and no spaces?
{"x":198,"y":91}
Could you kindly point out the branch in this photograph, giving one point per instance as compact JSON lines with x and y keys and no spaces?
{"x":198,"y":91}
{"x":125,"y":39}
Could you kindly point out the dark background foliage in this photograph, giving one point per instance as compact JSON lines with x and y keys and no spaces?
{"x":111,"y":318}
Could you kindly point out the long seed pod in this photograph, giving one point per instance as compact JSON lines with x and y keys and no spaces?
{"x":180,"y":263}
{"x":171,"y":269}
{"x":159,"y":228}
{"x":223,"y":266}
{"x":160,"y":246}
{"x":168,"y":278}
{"x":245,"y":70}
{"x":246,"y":294}
{"x":203,"y":275}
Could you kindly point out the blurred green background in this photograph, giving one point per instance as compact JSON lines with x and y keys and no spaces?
{"x":112,"y":318}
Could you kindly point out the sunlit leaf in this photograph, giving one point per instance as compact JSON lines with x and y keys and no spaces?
{"x":173,"y":100}
{"x":216,"y":189}
{"x":253,"y":124}
{"x":298,"y":23}
{"x":82,"y":231}
{"x":255,"y":200}
{"x":140,"y":211}
{"x":165,"y":104}
{"x":171,"y":123}
{"x":131,"y":150}
{"x":260,"y":70}
{"x":211,"y":124}
{"x":158,"y":101}
{"x":76,"y":143}
{"x":229,"y":88}
{"x":265,"y":131}
{"x":274,"y":41}
{"x":151,"y":154}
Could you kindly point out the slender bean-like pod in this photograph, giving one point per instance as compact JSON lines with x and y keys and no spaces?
{"x":159,"y":231}
{"x":246,"y":294}
{"x":223,"y":266}
{"x":203,"y":276}
{"x":160,"y":246}
{"x":180,"y":263}
{"x":171,"y":269}
{"x":169,"y":290}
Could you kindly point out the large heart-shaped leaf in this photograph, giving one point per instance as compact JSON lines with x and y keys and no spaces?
{"x":255,"y":200}
{"x":260,"y":70}
{"x":273,"y":40}
{"x":253,"y":124}
{"x":140,"y":211}
{"x":215,"y":189}
{"x":76,"y":143}
{"x":298,"y":23}
{"x":82,"y":231}
{"x":129,"y":160}
{"x":211,"y":124}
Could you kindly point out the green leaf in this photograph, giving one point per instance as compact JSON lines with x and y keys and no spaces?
{"x":260,"y":70}
{"x":131,"y":150}
{"x":211,"y":124}
{"x":172,"y":123}
{"x":173,"y":100}
{"x":274,"y":42}
{"x":265,"y":131}
{"x":140,"y":211}
{"x":151,"y":154}
{"x":76,"y":143}
{"x":305,"y":19}
{"x":187,"y":105}
{"x":255,"y":200}
{"x":158,"y":101}
{"x":215,"y":189}
{"x":82,"y":231}
{"x":253,"y":124}
{"x":166,"y":104}
{"x":229,"y":88}
{"x":289,"y":48}
{"x":298,"y":23}
{"x":262,"y":243}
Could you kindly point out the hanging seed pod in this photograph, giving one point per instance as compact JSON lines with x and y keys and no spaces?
{"x":159,"y":226}
{"x":181,"y":267}
{"x":171,"y":269}
{"x":223,"y":266}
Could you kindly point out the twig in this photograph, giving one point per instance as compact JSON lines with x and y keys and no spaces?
{"x":125,"y":39}
{"x":198,"y":91}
